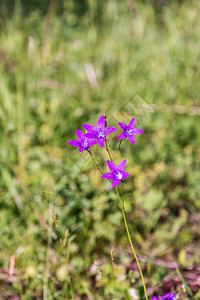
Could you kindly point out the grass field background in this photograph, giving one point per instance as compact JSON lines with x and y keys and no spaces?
{"x":60,"y":223}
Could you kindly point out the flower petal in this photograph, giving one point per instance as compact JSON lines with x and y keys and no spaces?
{"x":121,"y":166}
{"x":89,"y":128}
{"x":101,"y":141}
{"x":74,"y":143}
{"x":79,"y":135}
{"x":131,"y":139}
{"x":116,"y":182}
{"x":89,"y":135}
{"x":125,"y":175}
{"x":131,"y":124}
{"x":108,"y":176}
{"x":81,"y":149}
{"x":169,"y":296}
{"x":154,"y":298}
{"x":137,"y":131}
{"x":91,"y":143}
{"x":122,"y":125}
{"x":122,"y":136}
{"x":108,"y":130}
{"x":101,"y":123}
{"x":111,"y":166}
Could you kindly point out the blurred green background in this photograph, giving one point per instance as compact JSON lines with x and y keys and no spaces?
{"x":66,"y":63}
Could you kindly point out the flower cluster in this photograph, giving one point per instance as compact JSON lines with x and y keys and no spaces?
{"x":97,"y":135}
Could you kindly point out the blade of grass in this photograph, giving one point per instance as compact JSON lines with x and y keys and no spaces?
{"x":184,"y":282}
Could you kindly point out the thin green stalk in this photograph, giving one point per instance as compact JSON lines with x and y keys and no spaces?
{"x":122,"y":192}
{"x":127,"y":230}
{"x":184,"y":282}
{"x":130,"y":241}
{"x":108,"y":150}
{"x":107,"y":141}
{"x":120,"y":144}
{"x":113,"y":269}
{"x":95,"y":161}
{"x":125,"y":221}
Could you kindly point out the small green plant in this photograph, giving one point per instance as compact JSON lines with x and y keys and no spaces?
{"x":117,"y":175}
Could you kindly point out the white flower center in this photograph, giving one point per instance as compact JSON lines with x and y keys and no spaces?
{"x":85,"y":143}
{"x":129,"y":132}
{"x":118,"y":176}
{"x":101,"y":134}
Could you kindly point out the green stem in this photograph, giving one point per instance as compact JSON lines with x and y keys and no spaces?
{"x":96,"y":164}
{"x":107,"y":142}
{"x":122,"y":192}
{"x":120,"y":144}
{"x":125,"y":221}
{"x":184,"y":282}
{"x":108,"y":151}
{"x":113,"y":269}
{"x":130,"y":241}
{"x":95,"y":161}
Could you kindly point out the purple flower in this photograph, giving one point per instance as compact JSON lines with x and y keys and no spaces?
{"x":117,"y":173}
{"x":129,"y":131}
{"x":100,"y":132}
{"x":83,"y":142}
{"x":169,"y":296}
